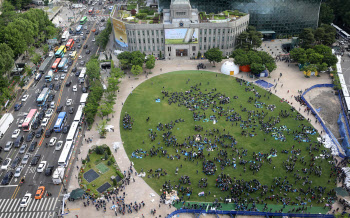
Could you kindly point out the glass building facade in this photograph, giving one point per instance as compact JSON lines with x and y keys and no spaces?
{"x":285,"y":17}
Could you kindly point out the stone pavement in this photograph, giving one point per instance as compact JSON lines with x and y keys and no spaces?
{"x":292,"y":80}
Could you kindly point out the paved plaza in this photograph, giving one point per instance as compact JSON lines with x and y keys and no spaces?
{"x":292,"y":80}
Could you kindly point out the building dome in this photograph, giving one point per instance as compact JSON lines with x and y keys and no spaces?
{"x":229,"y":68}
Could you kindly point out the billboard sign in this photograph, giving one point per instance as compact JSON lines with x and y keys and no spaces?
{"x":181,"y":36}
{"x":120,"y":33}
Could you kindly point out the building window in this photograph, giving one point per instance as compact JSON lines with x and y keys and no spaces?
{"x":161,"y":32}
{"x":208,"y":47}
{"x":143,"y":32}
{"x":219,"y":31}
{"x":205,"y":31}
{"x":149,"y":48}
{"x":200,"y":31}
{"x":222,"y":46}
{"x":147,"y":33}
{"x":213,"y":38}
{"x":200,"y":47}
{"x":154,"y":48}
{"x":214,"y":31}
{"x":209,"y":39}
{"x":144,"y":41}
{"x":162,"y":40}
{"x":148,"y":40}
{"x":152,"y":32}
{"x":205,"y":39}
{"x":223,"y":38}
{"x":223,"y":31}
{"x":180,"y":13}
{"x":193,"y":48}
{"x":153,"y":40}
{"x":209,"y":31}
{"x":157,"y":39}
{"x":140,"y":41}
{"x":138,"y":32}
{"x":144,"y":48}
{"x":157,"y":32}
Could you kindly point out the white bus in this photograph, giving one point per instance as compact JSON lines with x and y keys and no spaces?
{"x":83,"y":98}
{"x":72,"y":132}
{"x":79,"y":114}
{"x":82,"y":75}
{"x":65,"y":154}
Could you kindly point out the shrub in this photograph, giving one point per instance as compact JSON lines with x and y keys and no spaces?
{"x":109,"y":163}
{"x":133,"y":12}
{"x":141,"y":16}
{"x":114,"y":182}
{"x":84,"y":161}
{"x":106,"y":156}
{"x":108,"y":151}
{"x":88,"y":158}
{"x":99,"y":150}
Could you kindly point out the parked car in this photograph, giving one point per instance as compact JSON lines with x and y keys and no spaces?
{"x":15,"y":133}
{"x":35,"y":159}
{"x":15,"y":162}
{"x":17,"y":107}
{"x":23,"y":148}
{"x":66,"y":129}
{"x":39,"y":133}
{"x":59,"y":109}
{"x":58,"y":145}
{"x":30,"y":136}
{"x":25,"y":159}
{"x":24,"y":98}
{"x":8,"y":146}
{"x":84,"y":89}
{"x":7,"y":178}
{"x":41,"y":166}
{"x":32,"y":146}
{"x":48,"y":133}
{"x":39,"y":193}
{"x":6,"y":164}
{"x":49,"y":170}
{"x":71,"y":110}
{"x":25,"y":200}
{"x":45,"y":122}
{"x":18,"y":171}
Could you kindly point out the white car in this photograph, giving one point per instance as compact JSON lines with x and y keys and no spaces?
{"x":20,"y":123}
{"x":25,"y":200}
{"x":49,"y":113}
{"x":80,"y":57}
{"x":58,"y":145}
{"x":69,"y":102}
{"x":93,"y":39}
{"x":70,"y":53}
{"x":56,"y":77}
{"x":6,"y":164}
{"x":81,"y":34}
{"x":8,"y":146}
{"x":41,"y":167}
{"x":75,"y":88}
{"x":45,"y":122}
{"x":25,"y":97}
{"x":18,"y":171}
{"x":25,"y":159}
{"x":63,"y":76}
{"x":52,"y":141}
{"x":16,"y":133}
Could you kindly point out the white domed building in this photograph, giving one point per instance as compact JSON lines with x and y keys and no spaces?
{"x":230,"y":68}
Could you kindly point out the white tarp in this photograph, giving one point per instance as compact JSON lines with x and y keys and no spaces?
{"x":328,"y":143}
{"x":347,"y":178}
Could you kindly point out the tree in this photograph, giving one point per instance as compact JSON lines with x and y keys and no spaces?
{"x":315,"y":58}
{"x":242,"y":60}
{"x":299,"y":55}
{"x":326,"y":14}
{"x":214,"y":55}
{"x":257,"y":68}
{"x":141,"y":16}
{"x":6,"y":58}
{"x":307,"y":38}
{"x":249,"y":39}
{"x":322,"y":67}
{"x":46,"y":2}
{"x":36,"y":58}
{"x":133,"y":12}
{"x":45,"y":48}
{"x":237,"y":52}
{"x":151,"y":62}
{"x":319,"y":34}
{"x":136,"y":70}
{"x":330,"y":59}
{"x":93,"y":69}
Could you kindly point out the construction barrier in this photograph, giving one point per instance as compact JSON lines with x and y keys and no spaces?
{"x":245,"y":213}
{"x":329,"y":133}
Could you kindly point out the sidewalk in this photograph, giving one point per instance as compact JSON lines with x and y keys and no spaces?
{"x":292,"y":79}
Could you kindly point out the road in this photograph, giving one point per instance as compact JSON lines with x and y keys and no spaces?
{"x":11,"y":194}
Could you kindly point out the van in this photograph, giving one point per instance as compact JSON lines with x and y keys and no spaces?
{"x":52,"y":104}
{"x":19,"y":141}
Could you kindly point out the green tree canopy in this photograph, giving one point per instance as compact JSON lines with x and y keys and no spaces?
{"x":214,"y":55}
{"x":136,"y":70}
{"x":326,"y":14}
{"x":249,"y":39}
{"x":151,"y":62}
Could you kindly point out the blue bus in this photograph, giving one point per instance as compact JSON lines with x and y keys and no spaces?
{"x":41,"y":100}
{"x":60,"y":121}
{"x":62,"y":64}
{"x":78,"y":29}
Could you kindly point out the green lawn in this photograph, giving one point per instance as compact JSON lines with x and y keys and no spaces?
{"x":141,"y":105}
{"x":96,"y":160}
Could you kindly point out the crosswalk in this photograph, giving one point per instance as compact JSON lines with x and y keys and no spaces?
{"x":97,"y":18}
{"x":36,"y":208}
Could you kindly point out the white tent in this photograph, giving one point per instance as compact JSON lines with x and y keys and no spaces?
{"x":229,"y":68}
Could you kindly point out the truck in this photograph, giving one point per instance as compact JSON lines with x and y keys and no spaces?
{"x":83,"y":98}
{"x":65,"y":36}
{"x":48,"y":77}
{"x":5,"y":123}
{"x":58,"y":175}
{"x":44,"y":65}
